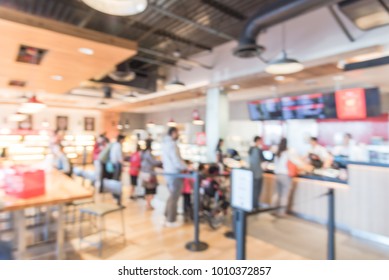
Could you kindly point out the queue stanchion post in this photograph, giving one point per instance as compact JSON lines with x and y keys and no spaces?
{"x":196,"y":245}
{"x":331,"y":225}
{"x":240,"y":233}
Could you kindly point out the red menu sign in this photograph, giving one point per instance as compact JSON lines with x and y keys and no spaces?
{"x":351,"y":104}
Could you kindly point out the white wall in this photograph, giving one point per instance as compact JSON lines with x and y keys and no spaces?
{"x":75,"y":118}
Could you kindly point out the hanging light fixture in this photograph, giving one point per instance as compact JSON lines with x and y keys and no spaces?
{"x":196,"y":118}
{"x":17,"y":117}
{"x":176,"y":84}
{"x":32,"y":106}
{"x":283,"y":65}
{"x":118,"y":7}
{"x":127,"y":124}
{"x":150,"y":124}
{"x":171,"y":123}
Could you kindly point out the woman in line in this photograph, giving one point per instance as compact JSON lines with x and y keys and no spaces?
{"x":148,"y":177}
{"x":283,"y":162}
{"x":135,"y":164}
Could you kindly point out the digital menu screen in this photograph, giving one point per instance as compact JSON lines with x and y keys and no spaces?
{"x":351,"y":104}
{"x":373,"y":102}
{"x":309,"y":106}
{"x":268,"y":109}
{"x":346,"y":104}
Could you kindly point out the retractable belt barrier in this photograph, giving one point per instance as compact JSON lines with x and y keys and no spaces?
{"x":240,"y":225}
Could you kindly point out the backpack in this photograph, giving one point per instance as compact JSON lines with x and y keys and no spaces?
{"x":104,"y":154}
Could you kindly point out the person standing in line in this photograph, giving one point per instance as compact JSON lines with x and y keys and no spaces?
{"x":172,"y":163}
{"x":97,"y":149}
{"x":116,"y":157}
{"x":283,"y":158}
{"x":219,"y":151}
{"x":149,"y":179}
{"x":255,"y":160}
{"x":135,"y":166}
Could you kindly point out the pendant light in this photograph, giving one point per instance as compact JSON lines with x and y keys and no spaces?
{"x":171,"y":123}
{"x":176,"y":84}
{"x":17,"y":117}
{"x":196,"y":118}
{"x":150,"y":124}
{"x":32,"y":106}
{"x":118,"y":7}
{"x":283,"y":65}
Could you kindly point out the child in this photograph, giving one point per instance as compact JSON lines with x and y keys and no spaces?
{"x":135,"y":163}
{"x":212,"y":187}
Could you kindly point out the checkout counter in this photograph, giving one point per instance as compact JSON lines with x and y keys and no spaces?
{"x":361,"y":201}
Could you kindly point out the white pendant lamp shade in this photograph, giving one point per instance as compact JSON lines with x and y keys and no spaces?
{"x":171,"y":123}
{"x":196,"y":118}
{"x":17,"y":117}
{"x":118,"y":7}
{"x":150,"y":124}
{"x":284,"y":66}
{"x":175,"y":85}
{"x":32,"y":106}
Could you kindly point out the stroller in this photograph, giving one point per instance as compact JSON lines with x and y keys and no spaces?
{"x":214,"y":203}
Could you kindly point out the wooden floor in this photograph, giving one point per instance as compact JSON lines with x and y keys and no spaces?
{"x":146,"y":238}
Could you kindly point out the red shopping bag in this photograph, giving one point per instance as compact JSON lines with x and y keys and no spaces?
{"x":23,"y":182}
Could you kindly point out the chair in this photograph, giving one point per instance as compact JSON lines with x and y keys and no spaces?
{"x":100,"y":210}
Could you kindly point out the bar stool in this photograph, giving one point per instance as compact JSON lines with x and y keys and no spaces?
{"x":100,"y":210}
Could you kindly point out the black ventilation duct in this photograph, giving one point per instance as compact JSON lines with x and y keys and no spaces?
{"x":276,"y":12}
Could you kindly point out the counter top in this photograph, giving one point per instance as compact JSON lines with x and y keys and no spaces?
{"x":368,"y":163}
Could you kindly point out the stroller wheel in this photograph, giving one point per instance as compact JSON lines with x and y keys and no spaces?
{"x":216,"y":219}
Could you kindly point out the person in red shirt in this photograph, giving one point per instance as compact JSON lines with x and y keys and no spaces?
{"x":135,"y":164}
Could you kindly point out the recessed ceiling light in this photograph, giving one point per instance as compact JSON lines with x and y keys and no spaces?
{"x":338,"y":78}
{"x":235,"y":87}
{"x":56,"y":77}
{"x":86,"y":51}
{"x":279,"y":78}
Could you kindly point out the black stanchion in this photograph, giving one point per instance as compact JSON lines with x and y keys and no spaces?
{"x":331,"y":225}
{"x":240,"y":231}
{"x":196,"y":245}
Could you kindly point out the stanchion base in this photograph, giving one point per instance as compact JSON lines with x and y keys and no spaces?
{"x":230,"y":234}
{"x":196,"y":246}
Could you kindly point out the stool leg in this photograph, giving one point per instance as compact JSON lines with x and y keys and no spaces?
{"x":101,"y":236}
{"x":80,"y":230}
{"x":123,"y":226}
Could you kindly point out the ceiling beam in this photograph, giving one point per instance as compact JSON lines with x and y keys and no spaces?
{"x":205,"y":28}
{"x":225,"y":9}
{"x":64,"y":28}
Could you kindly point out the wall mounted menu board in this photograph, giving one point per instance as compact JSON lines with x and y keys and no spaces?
{"x":268,"y":109}
{"x":345,"y":104}
{"x":308,"y":106}
{"x":357,"y":103}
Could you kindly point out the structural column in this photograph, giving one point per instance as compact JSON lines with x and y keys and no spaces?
{"x":217,"y":119}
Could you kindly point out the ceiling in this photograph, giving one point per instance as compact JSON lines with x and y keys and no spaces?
{"x":62,"y":67}
{"x":166,"y":25}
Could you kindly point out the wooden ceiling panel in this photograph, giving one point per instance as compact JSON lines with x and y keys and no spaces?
{"x":62,"y":57}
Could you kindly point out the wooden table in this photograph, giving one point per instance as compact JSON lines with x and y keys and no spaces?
{"x":60,"y":189}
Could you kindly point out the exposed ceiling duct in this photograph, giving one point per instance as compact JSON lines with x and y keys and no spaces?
{"x":274,"y":13}
{"x":122,"y":75}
